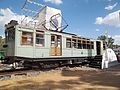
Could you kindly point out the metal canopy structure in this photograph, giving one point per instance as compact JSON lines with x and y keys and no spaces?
{"x":31,"y":16}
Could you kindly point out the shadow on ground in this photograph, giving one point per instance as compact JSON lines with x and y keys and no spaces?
{"x":109,"y":77}
{"x":48,"y":85}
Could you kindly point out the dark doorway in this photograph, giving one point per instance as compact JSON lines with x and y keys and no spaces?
{"x":98,"y":47}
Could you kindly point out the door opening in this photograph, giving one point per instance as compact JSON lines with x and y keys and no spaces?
{"x":56,"y":45}
{"x":98,"y":48}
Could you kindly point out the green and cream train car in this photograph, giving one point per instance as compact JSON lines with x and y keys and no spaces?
{"x":36,"y":46}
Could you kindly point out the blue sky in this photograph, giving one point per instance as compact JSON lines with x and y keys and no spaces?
{"x":89,"y":18}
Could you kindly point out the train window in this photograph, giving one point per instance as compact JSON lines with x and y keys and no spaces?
{"x":11,"y":35}
{"x":27,"y":38}
{"x":68,"y":43}
{"x":88,"y":45}
{"x":79,"y":44}
{"x":92,"y":45}
{"x":40,"y":39}
{"x":84,"y":45}
{"x":74,"y":43}
{"x":53,"y":40}
{"x":58,"y":40}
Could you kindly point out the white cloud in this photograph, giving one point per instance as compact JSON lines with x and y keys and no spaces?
{"x":97,"y":30}
{"x":54,"y":1}
{"x":117,"y":39}
{"x":6,"y":15}
{"x":99,"y":20}
{"x":110,"y":7}
{"x":112,"y":19}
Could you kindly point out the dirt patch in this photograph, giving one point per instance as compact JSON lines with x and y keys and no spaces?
{"x":67,"y":79}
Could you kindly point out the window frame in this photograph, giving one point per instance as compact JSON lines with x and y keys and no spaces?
{"x":92,"y":45}
{"x":69,"y":40}
{"x":74,"y":43}
{"x":40,"y":33}
{"x":80,"y":46}
{"x":27,"y":38}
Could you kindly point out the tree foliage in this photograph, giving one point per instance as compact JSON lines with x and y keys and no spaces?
{"x":108,"y":41}
{"x":2,"y":42}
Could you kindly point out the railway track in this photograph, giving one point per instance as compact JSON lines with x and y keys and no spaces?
{"x":28,"y":72}
{"x":16,"y":73}
{"x":22,"y":72}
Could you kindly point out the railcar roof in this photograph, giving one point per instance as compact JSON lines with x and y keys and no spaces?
{"x":14,"y":23}
{"x":74,"y":35}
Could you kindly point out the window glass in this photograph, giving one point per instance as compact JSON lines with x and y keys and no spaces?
{"x":58,"y":41}
{"x":92,"y":45}
{"x":40,"y":38}
{"x":84,"y":45}
{"x":68,"y":43}
{"x":11,"y":35}
{"x":80,"y":46}
{"x":74,"y":43}
{"x":27,"y":38}
{"x":53,"y":40}
{"x":88,"y":45}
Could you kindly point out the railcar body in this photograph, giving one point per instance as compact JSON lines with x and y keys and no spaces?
{"x":26,"y":43}
{"x":41,"y":43}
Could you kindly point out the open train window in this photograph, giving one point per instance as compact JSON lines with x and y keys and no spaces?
{"x":74,"y":43}
{"x":88,"y":45}
{"x":84,"y":45}
{"x":27,"y":38}
{"x":92,"y":45}
{"x":68,"y":43}
{"x":40,"y":38}
{"x":11,"y":35}
{"x":52,"y":40}
{"x":79,"y":44}
{"x":58,"y":40}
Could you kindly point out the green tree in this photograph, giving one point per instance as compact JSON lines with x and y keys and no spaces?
{"x":109,"y":40}
{"x":2,"y":42}
{"x":0,"y":39}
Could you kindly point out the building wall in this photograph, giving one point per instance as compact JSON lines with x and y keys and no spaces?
{"x":49,"y":13}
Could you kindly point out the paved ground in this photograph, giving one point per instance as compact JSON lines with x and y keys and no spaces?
{"x":71,"y":79}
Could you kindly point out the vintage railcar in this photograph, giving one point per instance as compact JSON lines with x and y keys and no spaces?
{"x":32,"y":45}
{"x":25,"y":44}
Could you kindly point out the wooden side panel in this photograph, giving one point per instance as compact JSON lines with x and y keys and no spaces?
{"x":53,"y":51}
{"x":58,"y":51}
